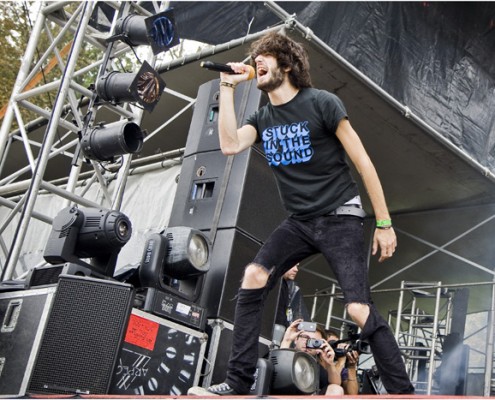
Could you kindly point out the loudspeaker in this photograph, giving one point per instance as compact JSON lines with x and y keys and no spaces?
{"x":454,"y":370}
{"x":235,"y":199}
{"x":459,"y":313}
{"x":49,"y":274}
{"x":372,"y":384}
{"x":203,"y":131}
{"x":232,"y":251}
{"x":251,"y":203}
{"x":83,"y":336}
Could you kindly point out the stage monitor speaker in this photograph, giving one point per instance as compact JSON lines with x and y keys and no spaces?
{"x":203,"y":131}
{"x":252,"y":202}
{"x":83,"y":336}
{"x":49,"y":274}
{"x":232,"y":251}
{"x":372,"y":384}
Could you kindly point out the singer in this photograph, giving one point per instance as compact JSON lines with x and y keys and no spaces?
{"x":306,"y":134}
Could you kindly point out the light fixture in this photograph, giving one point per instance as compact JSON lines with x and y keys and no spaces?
{"x":294,"y":372}
{"x":176,"y":260}
{"x":158,"y":31}
{"x":104,"y":142}
{"x":93,"y":233}
{"x":145,"y":87}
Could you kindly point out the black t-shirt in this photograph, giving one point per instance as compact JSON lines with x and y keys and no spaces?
{"x":307,"y":158}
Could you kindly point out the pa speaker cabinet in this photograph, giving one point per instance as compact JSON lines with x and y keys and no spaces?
{"x":48,"y":275}
{"x":251,"y":203}
{"x":82,"y":338}
{"x":231,"y":252}
{"x":220,"y":335}
{"x":203,"y":131}
{"x":23,"y":316}
{"x":158,"y":357}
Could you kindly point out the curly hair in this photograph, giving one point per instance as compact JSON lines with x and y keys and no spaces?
{"x":289,"y":54}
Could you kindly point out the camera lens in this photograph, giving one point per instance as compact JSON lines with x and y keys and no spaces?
{"x":314,"y":343}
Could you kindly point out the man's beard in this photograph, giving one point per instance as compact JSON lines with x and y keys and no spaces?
{"x":276,"y":80}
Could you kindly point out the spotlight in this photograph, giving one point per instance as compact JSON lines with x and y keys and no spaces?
{"x":146,"y":87}
{"x":92,"y":233}
{"x":175,"y":260}
{"x":158,"y":31}
{"x":294,"y":372}
{"x":104,"y":142}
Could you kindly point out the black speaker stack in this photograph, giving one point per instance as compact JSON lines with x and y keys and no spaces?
{"x":234,"y":199}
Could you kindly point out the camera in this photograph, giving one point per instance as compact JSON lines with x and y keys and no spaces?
{"x":357,"y":345}
{"x":307,"y":326}
{"x":314,"y":343}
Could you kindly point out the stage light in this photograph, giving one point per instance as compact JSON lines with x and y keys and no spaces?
{"x":294,"y":372}
{"x":104,"y":142}
{"x":145,"y":87}
{"x":158,"y":31}
{"x":175,"y":260}
{"x":93,"y":233}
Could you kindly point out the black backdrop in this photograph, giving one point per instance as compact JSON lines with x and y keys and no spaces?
{"x":438,"y":58}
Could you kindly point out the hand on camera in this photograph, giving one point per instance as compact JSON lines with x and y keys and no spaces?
{"x":326,"y":354}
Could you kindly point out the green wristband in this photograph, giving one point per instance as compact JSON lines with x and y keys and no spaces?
{"x":383,"y":223}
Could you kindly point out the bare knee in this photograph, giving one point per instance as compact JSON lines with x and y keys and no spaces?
{"x":255,"y":277}
{"x":334,"y":390}
{"x":359,"y":313}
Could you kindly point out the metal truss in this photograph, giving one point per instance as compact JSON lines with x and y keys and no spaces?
{"x":63,"y":123}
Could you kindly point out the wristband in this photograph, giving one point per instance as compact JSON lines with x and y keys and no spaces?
{"x":383,"y":223}
{"x":227,"y":84}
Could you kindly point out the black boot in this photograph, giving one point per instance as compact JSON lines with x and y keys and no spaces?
{"x":244,"y":353}
{"x":386,"y":353}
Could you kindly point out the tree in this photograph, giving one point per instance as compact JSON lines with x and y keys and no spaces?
{"x":14,"y":31}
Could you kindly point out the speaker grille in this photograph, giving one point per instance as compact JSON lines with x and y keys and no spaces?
{"x":46,"y":276}
{"x":83,"y":336}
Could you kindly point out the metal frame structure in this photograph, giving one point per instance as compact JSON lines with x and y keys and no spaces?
{"x":20,"y":196}
{"x":66,"y":105}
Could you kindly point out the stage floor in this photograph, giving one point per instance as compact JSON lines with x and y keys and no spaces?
{"x":151,"y":397}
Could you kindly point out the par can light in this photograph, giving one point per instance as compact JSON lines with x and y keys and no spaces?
{"x":145,"y":87}
{"x":158,"y":31}
{"x":104,"y":142}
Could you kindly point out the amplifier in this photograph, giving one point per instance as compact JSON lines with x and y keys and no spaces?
{"x":172,"y":307}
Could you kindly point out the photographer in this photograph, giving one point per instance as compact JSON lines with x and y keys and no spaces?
{"x":330,"y":381}
{"x":346,"y":364}
{"x":290,"y":302}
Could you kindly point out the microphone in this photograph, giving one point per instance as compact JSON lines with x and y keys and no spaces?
{"x":212,"y":66}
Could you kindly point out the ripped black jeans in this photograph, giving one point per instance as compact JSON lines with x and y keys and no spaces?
{"x":341,"y":241}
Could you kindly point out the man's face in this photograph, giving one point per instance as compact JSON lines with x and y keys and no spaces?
{"x":302,"y":338}
{"x":291,"y":273}
{"x":269,"y":75}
